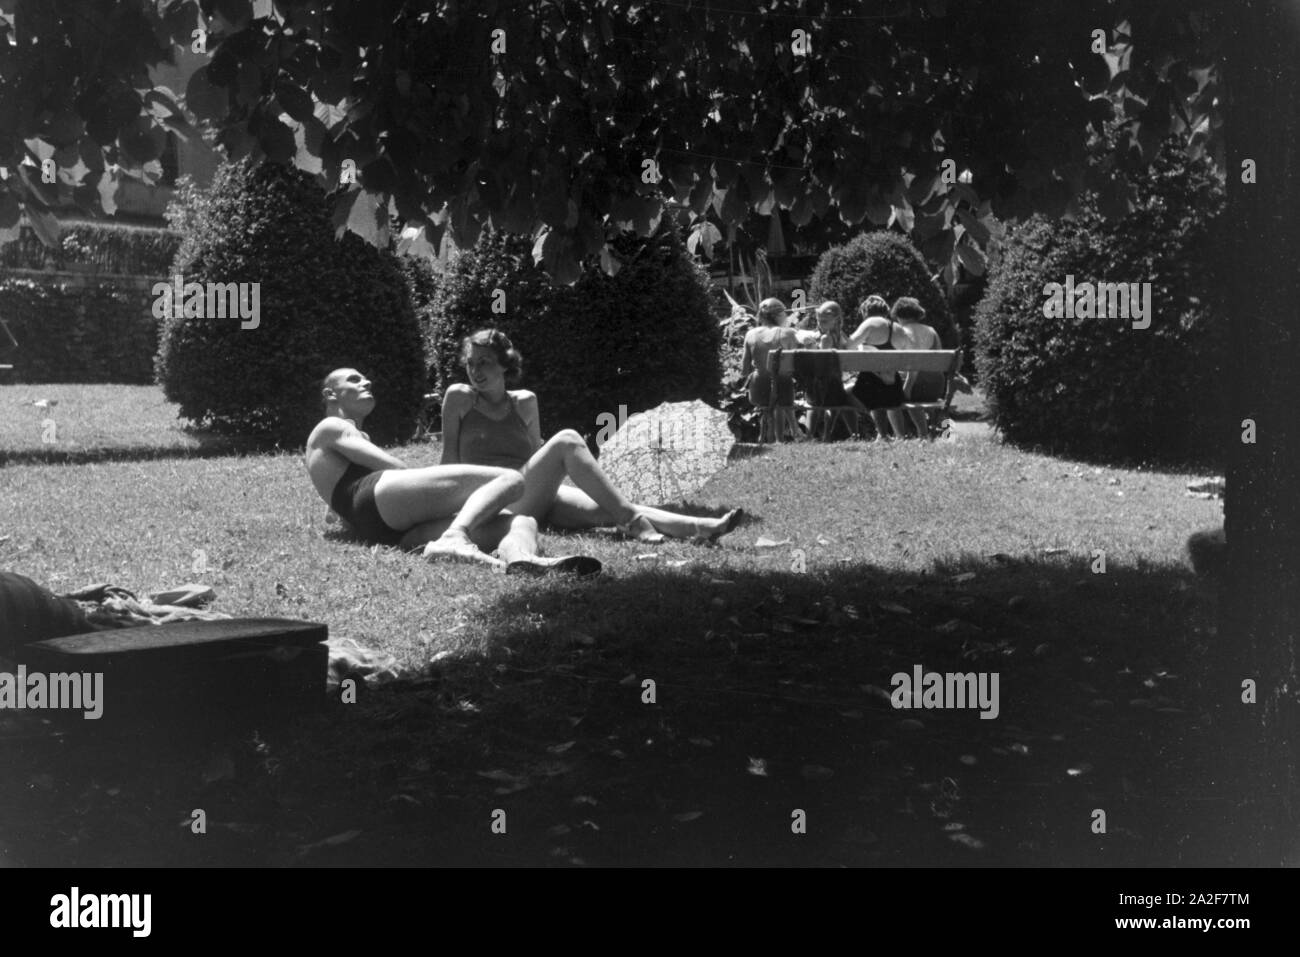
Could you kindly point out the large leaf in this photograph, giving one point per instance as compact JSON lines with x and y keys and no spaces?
{"x":204,"y":99}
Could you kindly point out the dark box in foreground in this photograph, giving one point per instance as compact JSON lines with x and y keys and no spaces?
{"x":252,"y":667}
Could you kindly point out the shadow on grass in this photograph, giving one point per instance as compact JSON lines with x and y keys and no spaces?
{"x":209,"y":446}
{"x":698,"y":715}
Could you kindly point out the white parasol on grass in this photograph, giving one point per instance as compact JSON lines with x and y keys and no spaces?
{"x":667,"y":453}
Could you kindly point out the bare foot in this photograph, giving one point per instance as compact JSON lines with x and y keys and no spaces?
{"x":456,"y":547}
{"x":721,"y":526}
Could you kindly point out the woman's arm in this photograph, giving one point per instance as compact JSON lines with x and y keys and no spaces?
{"x":454,"y":406}
{"x":860,"y":335}
{"x":747,"y":357}
{"x":526,"y":404}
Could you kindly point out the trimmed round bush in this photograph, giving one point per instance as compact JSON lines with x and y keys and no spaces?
{"x":885,"y":264}
{"x":1098,"y":386}
{"x":323,"y":303}
{"x":638,"y":338}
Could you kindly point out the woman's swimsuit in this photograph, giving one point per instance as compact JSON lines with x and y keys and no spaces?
{"x":875,"y":394}
{"x":504,"y":443}
{"x":354,"y":501}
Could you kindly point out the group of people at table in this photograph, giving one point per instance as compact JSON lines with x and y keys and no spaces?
{"x":881,"y":396}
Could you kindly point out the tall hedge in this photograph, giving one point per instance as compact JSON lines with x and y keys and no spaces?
{"x":324,"y":303}
{"x":70,"y":332}
{"x":886,"y":264}
{"x":114,"y":248}
{"x":1098,"y":386}
{"x":639,"y":338}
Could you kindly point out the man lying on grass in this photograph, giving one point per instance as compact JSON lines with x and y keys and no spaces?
{"x":458,"y":512}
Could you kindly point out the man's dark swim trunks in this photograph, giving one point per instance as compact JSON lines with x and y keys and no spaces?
{"x":354,"y":501}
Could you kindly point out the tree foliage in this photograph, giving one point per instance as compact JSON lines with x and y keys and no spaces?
{"x":553,"y":120}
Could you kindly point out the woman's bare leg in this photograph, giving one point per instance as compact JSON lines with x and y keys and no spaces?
{"x":921,"y":421}
{"x":897,"y":422}
{"x":575,"y":509}
{"x":470,"y":495}
{"x":565,"y":453}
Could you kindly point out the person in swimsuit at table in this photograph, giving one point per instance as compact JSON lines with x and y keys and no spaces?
{"x":457,"y":512}
{"x":486,"y":423}
{"x":880,"y":393}
{"x":919,"y":386}
{"x":771,"y":333}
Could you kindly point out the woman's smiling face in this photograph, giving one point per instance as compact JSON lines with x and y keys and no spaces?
{"x":485,"y":372}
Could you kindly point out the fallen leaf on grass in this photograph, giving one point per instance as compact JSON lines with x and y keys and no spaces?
{"x":878,"y":692}
{"x":498,"y":775}
{"x":757,"y":767}
{"x":895,"y":608}
{"x":963,"y":577}
{"x":802,"y":622}
{"x":560,"y":748}
{"x":1049,"y":552}
{"x":628,"y":679}
{"x":816,"y":772}
{"x":688,"y":816}
{"x":647,"y":557}
{"x":1079,"y":771}
{"x":765,"y":542}
{"x":332,"y":841}
{"x":966,"y":840}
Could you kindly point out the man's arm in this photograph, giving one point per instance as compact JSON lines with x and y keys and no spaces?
{"x":347,"y":440}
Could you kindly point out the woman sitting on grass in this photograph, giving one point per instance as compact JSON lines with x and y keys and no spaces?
{"x":457,"y":512}
{"x":485,"y":423}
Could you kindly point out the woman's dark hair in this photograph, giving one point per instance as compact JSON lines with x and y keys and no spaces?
{"x":499,"y":343}
{"x":873,"y":306}
{"x":907,"y":308}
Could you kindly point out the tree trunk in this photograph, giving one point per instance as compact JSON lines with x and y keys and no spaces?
{"x":1261,"y":601}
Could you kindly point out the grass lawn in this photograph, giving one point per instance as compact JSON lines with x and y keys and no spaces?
{"x":768,"y":663}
